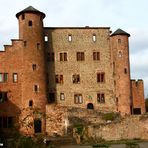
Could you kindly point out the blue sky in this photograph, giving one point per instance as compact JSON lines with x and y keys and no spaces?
{"x":129,"y":15}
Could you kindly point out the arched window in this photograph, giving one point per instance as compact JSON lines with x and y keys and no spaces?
{"x":90,"y":106}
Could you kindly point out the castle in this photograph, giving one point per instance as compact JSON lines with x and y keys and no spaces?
{"x":84,"y":67}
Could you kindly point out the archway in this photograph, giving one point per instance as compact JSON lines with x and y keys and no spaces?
{"x":90,"y":106}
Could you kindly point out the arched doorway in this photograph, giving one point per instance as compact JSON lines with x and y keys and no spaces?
{"x":37,"y":126}
{"x":90,"y":106}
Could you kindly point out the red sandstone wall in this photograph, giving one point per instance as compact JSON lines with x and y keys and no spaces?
{"x":138,"y":94}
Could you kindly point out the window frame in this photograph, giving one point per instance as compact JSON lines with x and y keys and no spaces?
{"x":80,"y":56}
{"x":100,"y":97}
{"x":78,"y":98}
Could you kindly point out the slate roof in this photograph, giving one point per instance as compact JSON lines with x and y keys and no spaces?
{"x":30,"y":9}
{"x":120,"y":32}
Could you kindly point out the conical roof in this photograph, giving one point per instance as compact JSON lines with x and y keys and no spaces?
{"x":30,"y":9}
{"x":120,"y":32}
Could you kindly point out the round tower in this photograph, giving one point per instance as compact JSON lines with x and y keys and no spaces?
{"x":33,"y":68}
{"x":121,"y":68}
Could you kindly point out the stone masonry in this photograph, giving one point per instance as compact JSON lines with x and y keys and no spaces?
{"x":68,"y":67}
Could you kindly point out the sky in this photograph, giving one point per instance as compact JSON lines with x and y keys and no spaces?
{"x":129,"y":15}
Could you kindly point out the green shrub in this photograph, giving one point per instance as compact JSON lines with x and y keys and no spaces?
{"x":109,"y":116}
{"x":132,"y":145}
{"x":100,"y":146}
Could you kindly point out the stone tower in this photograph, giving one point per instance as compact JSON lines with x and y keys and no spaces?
{"x":121,"y":68}
{"x":33,"y":68}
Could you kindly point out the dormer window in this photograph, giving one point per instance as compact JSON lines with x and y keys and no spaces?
{"x":30,"y":23}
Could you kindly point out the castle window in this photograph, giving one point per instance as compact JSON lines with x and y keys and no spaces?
{"x":3,"y":77}
{"x":30,"y":103}
{"x":80,"y":56}
{"x":70,"y":38}
{"x":76,"y":78}
{"x":119,"y":41}
{"x":34,"y":67}
{"x":15,"y":77}
{"x":51,"y":97}
{"x":25,"y":43}
{"x":101,"y":77}
{"x":36,"y":88}
{"x":46,"y":38}
{"x":3,"y":97}
{"x":125,"y":70}
{"x":101,"y":98}
{"x":23,"y":16}
{"x":59,"y":79}
{"x":62,"y":96}
{"x":50,"y":57}
{"x":63,"y":56}
{"x":30,"y":23}
{"x":119,"y":54}
{"x":96,"y":56}
{"x":78,"y":99}
{"x":38,"y":45}
{"x":94,"y":37}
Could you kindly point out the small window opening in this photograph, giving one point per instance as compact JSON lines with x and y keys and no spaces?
{"x":70,"y":38}
{"x":90,"y":106}
{"x":125,"y":70}
{"x":46,"y":38}
{"x":119,"y":41}
{"x":30,"y":23}
{"x":34,"y":67}
{"x":62,"y":96}
{"x":94,"y":37}
{"x":25,"y":43}
{"x":30,"y":103}
{"x":15,"y":77}
{"x":36,"y":88}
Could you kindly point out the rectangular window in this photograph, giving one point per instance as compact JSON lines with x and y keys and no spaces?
{"x":46,"y":38}
{"x":101,"y":77}
{"x":29,"y":23}
{"x":125,"y":70}
{"x":34,"y":67}
{"x":59,"y":79}
{"x":25,"y":43}
{"x":3,"y":77}
{"x":70,"y":38}
{"x":15,"y":77}
{"x":62,"y":96}
{"x":78,"y":99}
{"x":50,"y":56}
{"x":76,"y":78}
{"x":36,"y":88}
{"x":80,"y":56}
{"x":3,"y":97}
{"x":101,"y":98}
{"x":94,"y":37}
{"x":63,"y":56}
{"x":96,"y":56}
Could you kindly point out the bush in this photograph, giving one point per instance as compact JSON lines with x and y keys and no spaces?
{"x":132,"y":145}
{"x":100,"y":146}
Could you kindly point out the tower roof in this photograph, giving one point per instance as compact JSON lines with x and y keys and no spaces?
{"x":120,"y":32}
{"x":28,"y":10}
